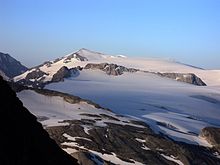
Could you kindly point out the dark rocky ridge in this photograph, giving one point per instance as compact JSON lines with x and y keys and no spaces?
{"x":110,"y":69}
{"x":212,"y":135}
{"x":184,"y":77}
{"x":35,"y":74}
{"x":114,"y":69}
{"x":24,"y":141}
{"x":122,"y":140}
{"x":36,"y":77}
{"x":62,"y":73}
{"x":10,"y":66}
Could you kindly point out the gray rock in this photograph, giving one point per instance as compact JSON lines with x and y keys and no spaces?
{"x":62,"y":73}
{"x":184,"y":77}
{"x":212,"y":135}
{"x":122,"y":140}
{"x":110,"y":69}
{"x":35,"y":74}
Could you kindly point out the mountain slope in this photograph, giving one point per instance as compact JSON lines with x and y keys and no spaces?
{"x":81,"y":127}
{"x":176,"y":109}
{"x":10,"y":66}
{"x":44,"y":73}
{"x":86,"y":59}
{"x":24,"y":141}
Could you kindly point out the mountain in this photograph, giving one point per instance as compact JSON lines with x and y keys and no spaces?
{"x":24,"y":141}
{"x":96,"y":135}
{"x":162,"y":93}
{"x":112,"y":65}
{"x":10,"y":66}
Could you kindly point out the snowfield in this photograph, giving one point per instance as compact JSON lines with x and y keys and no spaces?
{"x":53,"y":110}
{"x":176,"y":109}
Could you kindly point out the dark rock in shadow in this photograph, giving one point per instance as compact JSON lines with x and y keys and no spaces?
{"x":23,"y":139}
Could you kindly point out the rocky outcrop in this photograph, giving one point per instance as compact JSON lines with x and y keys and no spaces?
{"x":36,"y":77}
{"x":212,"y":135}
{"x":110,"y":69}
{"x":130,"y":143}
{"x":24,"y":141}
{"x":184,"y":77}
{"x":10,"y":66}
{"x":64,"y":72}
{"x":35,"y":74}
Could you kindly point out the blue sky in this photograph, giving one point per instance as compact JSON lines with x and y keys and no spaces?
{"x":185,"y":30}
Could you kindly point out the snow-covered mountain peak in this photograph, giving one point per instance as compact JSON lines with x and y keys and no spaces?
{"x":84,"y":56}
{"x":90,"y":55}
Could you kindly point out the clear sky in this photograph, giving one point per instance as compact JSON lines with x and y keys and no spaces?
{"x":185,"y":30}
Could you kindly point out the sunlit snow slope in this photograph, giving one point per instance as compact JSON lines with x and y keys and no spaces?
{"x":84,"y":56}
{"x":177,"y":109}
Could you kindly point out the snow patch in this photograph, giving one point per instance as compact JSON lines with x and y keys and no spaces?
{"x":172,"y":158}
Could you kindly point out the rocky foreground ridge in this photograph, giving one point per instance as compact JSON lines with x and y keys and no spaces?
{"x":24,"y":141}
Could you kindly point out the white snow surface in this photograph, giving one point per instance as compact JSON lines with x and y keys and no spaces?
{"x":53,"y":110}
{"x":174,"y":108}
{"x":172,"y":158}
{"x":114,"y":159}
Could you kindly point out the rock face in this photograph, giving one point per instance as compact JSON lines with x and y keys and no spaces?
{"x":110,"y":69}
{"x":35,"y":74}
{"x":10,"y":66}
{"x":24,"y":141}
{"x":36,"y":77}
{"x":130,"y":143}
{"x":184,"y":77}
{"x":62,"y":73}
{"x":212,"y":135}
